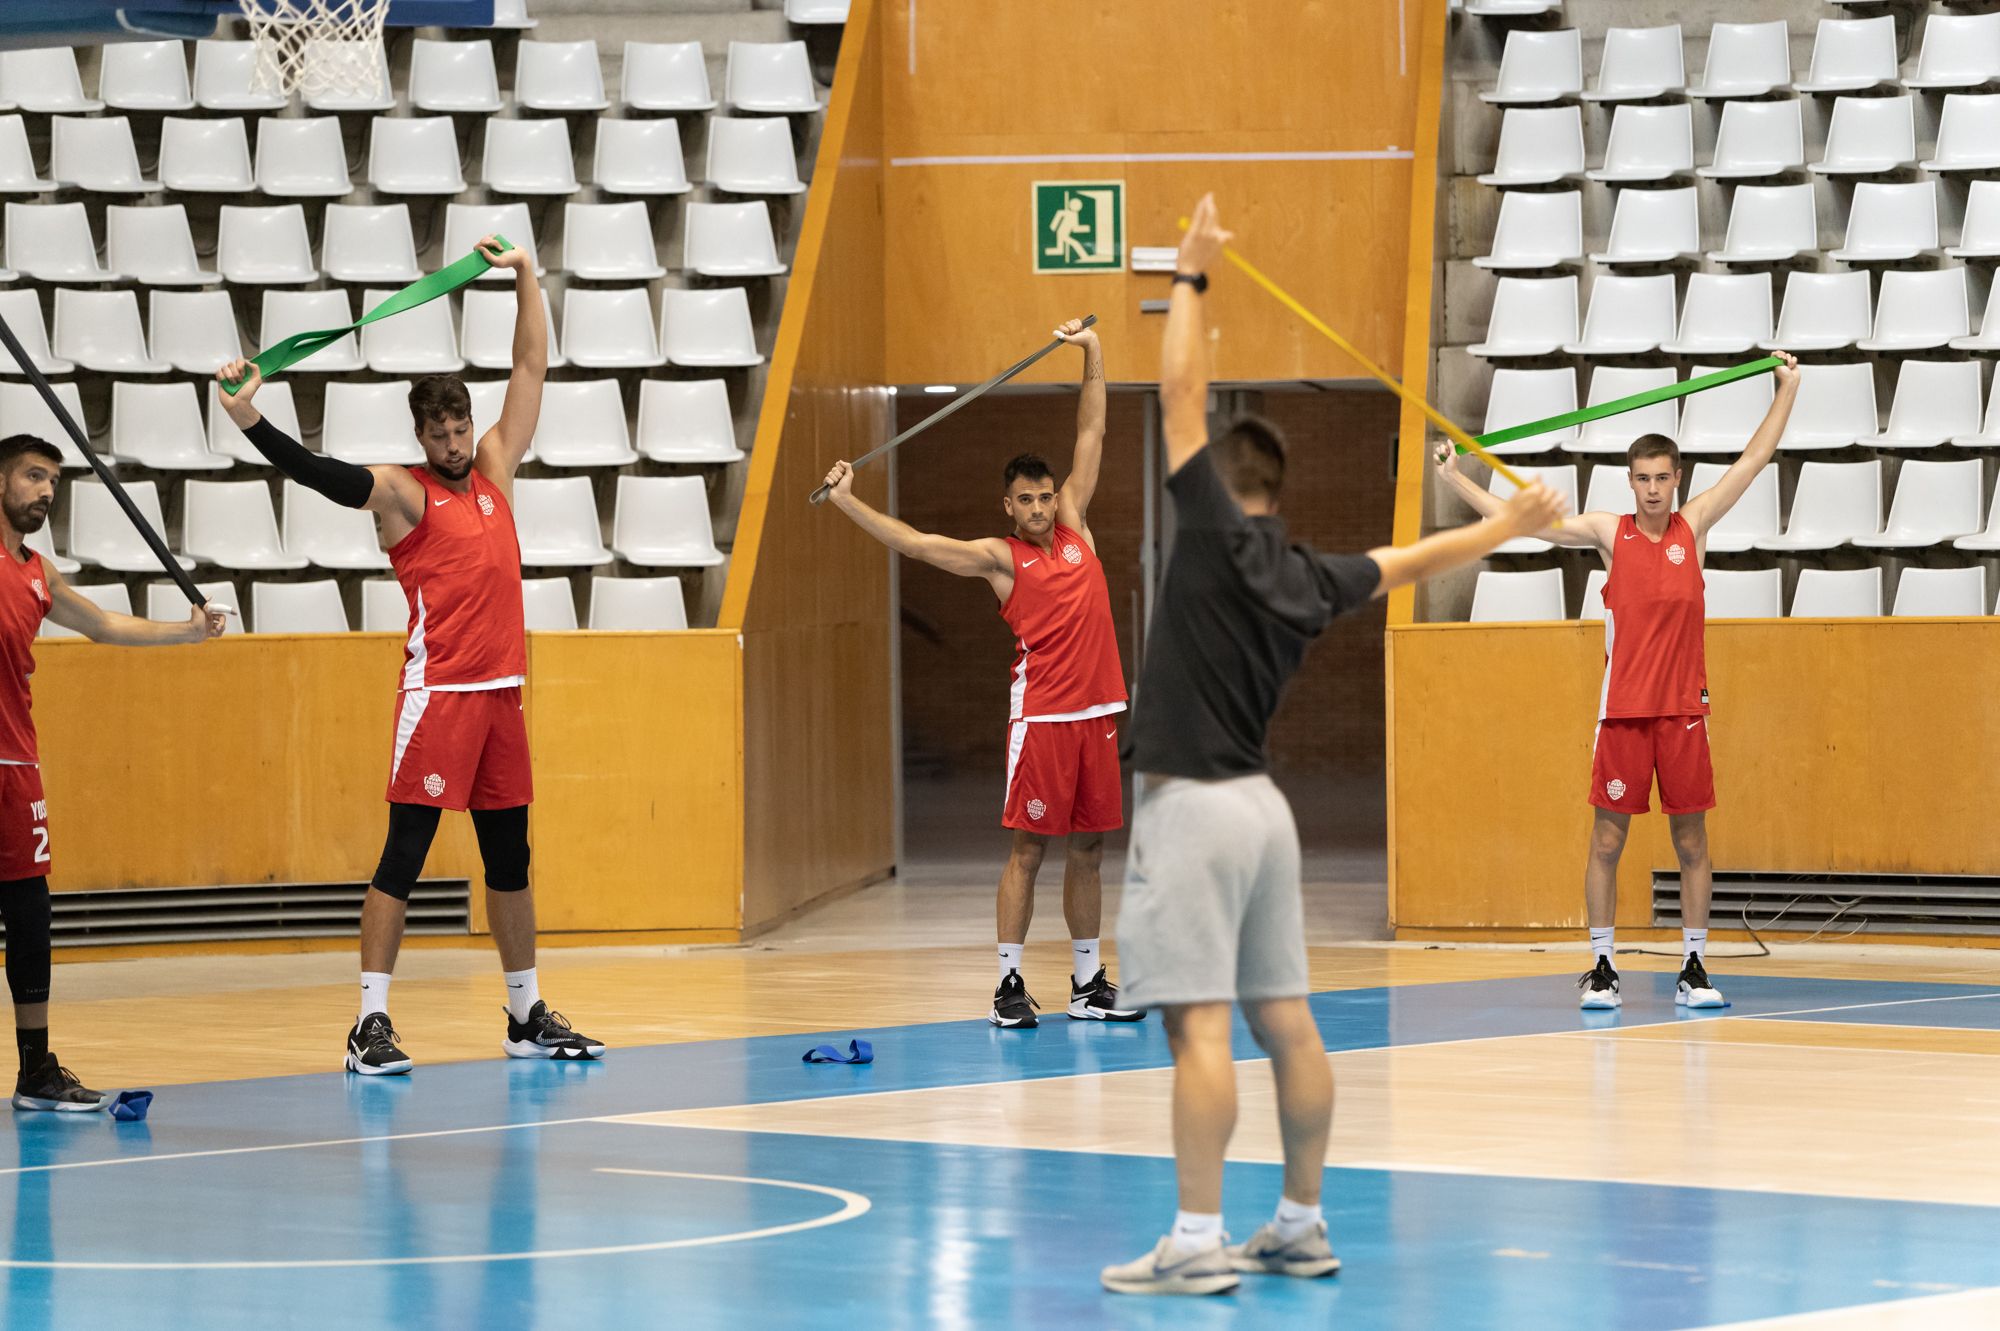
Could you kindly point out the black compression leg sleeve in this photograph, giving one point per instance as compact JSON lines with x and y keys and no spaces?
{"x":411,"y":827}
{"x":503,"y":844}
{"x":24,"y":909}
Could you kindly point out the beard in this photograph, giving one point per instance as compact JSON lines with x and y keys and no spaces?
{"x":27,"y":519}
{"x":451,"y":474}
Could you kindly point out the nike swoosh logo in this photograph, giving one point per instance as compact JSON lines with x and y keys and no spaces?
{"x":1693,"y":724}
{"x":517,"y":986}
{"x":440,"y":503}
{"x":1029,"y":563}
{"x":1111,"y":734}
{"x":1630,"y":535}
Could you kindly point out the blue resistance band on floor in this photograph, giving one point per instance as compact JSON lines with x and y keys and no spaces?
{"x":858,"y":1051}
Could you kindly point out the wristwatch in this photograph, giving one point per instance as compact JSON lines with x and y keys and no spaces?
{"x":1199,"y":281}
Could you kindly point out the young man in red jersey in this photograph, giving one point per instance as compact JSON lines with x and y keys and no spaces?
{"x":460,"y":740}
{"x":1063,"y":776}
{"x":1653,"y":710}
{"x":30,"y":590}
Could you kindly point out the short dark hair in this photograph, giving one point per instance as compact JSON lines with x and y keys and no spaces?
{"x":437,"y":397}
{"x":1653,"y":446}
{"x":1030,"y":465}
{"x":17,"y":446}
{"x":1250,"y":454}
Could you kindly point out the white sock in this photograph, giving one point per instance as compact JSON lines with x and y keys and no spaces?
{"x":374,"y":992}
{"x":1296,"y":1219}
{"x":1194,"y":1231}
{"x":523,"y":992}
{"x":1695,"y":941}
{"x":1600,"y":942}
{"x":1010,"y":958}
{"x":1083,"y":959}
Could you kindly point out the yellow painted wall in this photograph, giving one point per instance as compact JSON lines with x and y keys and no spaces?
{"x":1841,"y":746}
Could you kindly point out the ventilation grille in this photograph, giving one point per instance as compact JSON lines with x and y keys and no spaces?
{"x":1842,"y":903}
{"x":265,"y":910}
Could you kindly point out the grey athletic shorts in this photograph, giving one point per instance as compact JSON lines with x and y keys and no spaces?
{"x":1211,"y":911}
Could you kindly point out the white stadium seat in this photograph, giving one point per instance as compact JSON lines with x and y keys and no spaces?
{"x":1936,"y":402}
{"x":1769,"y":223}
{"x":415,"y":156}
{"x":528,"y":157}
{"x":1536,"y":231}
{"x":418,"y":341}
{"x":1986,"y":541}
{"x":205,"y":156}
{"x":770,"y":77}
{"x":1538,"y":67}
{"x":1954,"y":592}
{"x":1722,"y":420}
{"x":1538,"y":147}
{"x":159,"y":426}
{"x":1753,"y":518}
{"x":17,"y":161}
{"x":264,"y":246}
{"x":1834,"y":503}
{"x":329,"y":535}
{"x":559,"y":76}
{"x":637,"y":604}
{"x":1915,"y":311}
{"x":1627,"y":316}
{"x":1532,"y":316}
{"x":454,"y":77}
{"x":1520,"y":396}
{"x":1746,"y":60}
{"x":385,"y":608}
{"x":102,"y":536}
{"x":230,"y":524}
{"x":52,"y":242}
{"x":1723,"y":314}
{"x":302,"y":158}
{"x":290,"y":312}
{"x":222,"y":74}
{"x":639,"y":157}
{"x":686,"y":421}
{"x":274,"y":401}
{"x":297,"y":607}
{"x":1516,"y":597}
{"x":369,"y":424}
{"x":1959,"y":51}
{"x":144,"y":76}
{"x":22,"y":411}
{"x":97,"y":154}
{"x":662,"y":522}
{"x":44,"y":80}
{"x":730,"y":240}
{"x":1823,"y":312}
{"x":100,"y":330}
{"x":1968,"y":134}
{"x":610,"y":329}
{"x":1757,"y":593}
{"x":755,"y":156}
{"x":166,"y":601}
{"x":1614,"y":434}
{"x":1835,"y":407}
{"x":1934,"y":503}
{"x":665,"y":76}
{"x":194,"y":331}
{"x":1850,"y":593}
{"x":1648,"y":143}
{"x":557,"y":522}
{"x":154,"y":246}
{"x":611,"y":241}
{"x":1851,"y":55}
{"x":708,"y":328}
{"x":1890,"y":222}
{"x":487,"y":339}
{"x":1652,"y":226}
{"x":547,"y":604}
{"x":22,"y":309}
{"x":369,"y":243}
{"x":1868,"y":135}
{"x":1757,"y":140}
{"x":586,"y":425}
{"x":465,"y":224}
{"x":1638,"y":64}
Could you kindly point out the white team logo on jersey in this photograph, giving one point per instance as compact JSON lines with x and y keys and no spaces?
{"x":1675,"y":555}
{"x":434,"y":785}
{"x":41,"y":592}
{"x":1036,"y":809}
{"x":1071,"y":554}
{"x":1614,"y":788}
{"x":486,"y":507}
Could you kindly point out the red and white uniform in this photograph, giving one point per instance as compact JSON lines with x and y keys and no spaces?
{"x":24,"y":814}
{"x":1653,"y":713}
{"x":461,"y":739}
{"x":1062,"y":748}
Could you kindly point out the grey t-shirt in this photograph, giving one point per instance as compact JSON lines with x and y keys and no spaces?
{"x":1239,"y":606}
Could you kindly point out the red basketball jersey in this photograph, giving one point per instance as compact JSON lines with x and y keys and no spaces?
{"x":1654,"y":663}
{"x":461,"y":570}
{"x":24,"y":602}
{"x":1067,"y":666}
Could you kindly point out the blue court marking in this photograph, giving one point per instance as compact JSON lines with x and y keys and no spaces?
{"x":717,"y":1073}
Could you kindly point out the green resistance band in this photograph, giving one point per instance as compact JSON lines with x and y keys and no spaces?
{"x":1620,"y":406}
{"x":272,"y":360}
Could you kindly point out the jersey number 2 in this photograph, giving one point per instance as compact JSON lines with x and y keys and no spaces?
{"x":41,"y":844}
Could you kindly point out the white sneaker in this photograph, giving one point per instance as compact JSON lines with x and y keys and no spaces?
{"x":1265,"y":1253}
{"x":1694,"y":988}
{"x":1600,"y":986}
{"x":1168,"y":1270}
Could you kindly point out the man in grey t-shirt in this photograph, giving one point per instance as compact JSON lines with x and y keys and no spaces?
{"x":1211,"y":914}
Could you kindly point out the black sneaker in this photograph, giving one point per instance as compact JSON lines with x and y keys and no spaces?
{"x":371,"y":1048}
{"x":1694,"y":989}
{"x":547,"y":1034}
{"x":1600,"y":986}
{"x":1012,"y":1007}
{"x":1098,"y":1001}
{"x":52,"y":1086}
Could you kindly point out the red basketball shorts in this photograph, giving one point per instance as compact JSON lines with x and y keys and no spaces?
{"x":24,"y":823}
{"x":461,"y":750}
{"x":1063,"y":777}
{"x":1632,"y":750}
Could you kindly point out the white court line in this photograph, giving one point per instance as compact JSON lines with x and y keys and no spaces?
{"x":1058,"y":159}
{"x":908,"y":1090}
{"x":852,"y":1204}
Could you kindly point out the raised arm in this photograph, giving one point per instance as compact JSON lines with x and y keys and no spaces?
{"x":384,"y":491}
{"x":986,"y":559}
{"x":1590,"y":531}
{"x":1073,"y":503}
{"x":1183,"y":350}
{"x":1706,"y":509}
{"x":79,"y":614}
{"x":502,"y":447}
{"x":1529,"y":511}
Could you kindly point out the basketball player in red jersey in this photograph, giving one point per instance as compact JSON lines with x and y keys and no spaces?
{"x":460,"y":739}
{"x":1653,"y":711}
{"x":1068,"y":685}
{"x":31,"y":590}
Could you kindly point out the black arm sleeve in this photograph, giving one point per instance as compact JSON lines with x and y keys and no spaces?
{"x":342,"y":482}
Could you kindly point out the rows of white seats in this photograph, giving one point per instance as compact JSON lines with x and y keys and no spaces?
{"x":657,"y":522}
{"x":443,"y":76}
{"x":1748,"y":60}
{"x":317,"y":606}
{"x":1752,"y":594}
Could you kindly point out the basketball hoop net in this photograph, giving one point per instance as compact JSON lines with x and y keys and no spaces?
{"x":318,"y":47}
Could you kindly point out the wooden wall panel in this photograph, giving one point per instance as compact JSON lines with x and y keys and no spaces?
{"x":638,"y":779}
{"x":1856,"y":746}
{"x":807,"y":590}
{"x":1163,"y":81}
{"x":247,"y":760}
